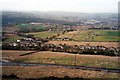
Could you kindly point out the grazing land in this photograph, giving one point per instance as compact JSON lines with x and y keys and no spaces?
{"x":45,"y":34}
{"x":28,"y":26}
{"x":81,"y":36}
{"x":93,"y":35}
{"x":13,"y":53}
{"x":13,"y":38}
{"x":60,"y":72}
{"x":64,"y":58}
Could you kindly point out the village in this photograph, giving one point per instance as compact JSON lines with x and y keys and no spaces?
{"x":30,"y":42}
{"x":59,"y":39}
{"x":40,"y":44}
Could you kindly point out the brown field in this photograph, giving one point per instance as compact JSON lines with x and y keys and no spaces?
{"x":42,"y":71}
{"x":64,"y":58}
{"x":106,"y":44}
{"x":13,"y":53}
{"x":59,"y":58}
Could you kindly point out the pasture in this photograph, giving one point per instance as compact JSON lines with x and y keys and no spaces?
{"x":13,"y":53}
{"x":23,"y":26}
{"x":13,"y":38}
{"x":58,"y":58}
{"x":93,"y":35}
{"x":45,"y":34}
{"x":81,"y":36}
{"x":63,"y":58}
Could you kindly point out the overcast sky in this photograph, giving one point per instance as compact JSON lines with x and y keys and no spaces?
{"x":86,"y":6}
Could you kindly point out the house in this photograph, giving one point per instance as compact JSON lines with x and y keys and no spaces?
{"x":18,"y":40}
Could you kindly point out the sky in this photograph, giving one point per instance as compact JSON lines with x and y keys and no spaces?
{"x":85,"y":6}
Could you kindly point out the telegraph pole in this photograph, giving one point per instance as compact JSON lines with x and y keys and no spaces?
{"x":75,"y":66}
{"x":75,"y":60}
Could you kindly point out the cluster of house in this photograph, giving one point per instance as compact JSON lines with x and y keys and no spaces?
{"x":81,"y":47}
{"x":85,"y":25}
{"x":61,"y":39}
{"x":39,"y":44}
{"x":26,"y":43}
{"x":61,"y":27}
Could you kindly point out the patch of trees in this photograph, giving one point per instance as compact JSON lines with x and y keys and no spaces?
{"x":26,"y":30}
{"x":104,"y":28}
{"x":12,"y":76}
{"x":91,"y":52}
{"x":71,"y":23}
{"x":25,"y":35}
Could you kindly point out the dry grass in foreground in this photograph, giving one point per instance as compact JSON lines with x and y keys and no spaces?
{"x":64,"y":58}
{"x":13,"y":53}
{"x":40,"y":72}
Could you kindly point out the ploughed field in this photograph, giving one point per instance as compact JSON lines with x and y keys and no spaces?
{"x":48,"y":57}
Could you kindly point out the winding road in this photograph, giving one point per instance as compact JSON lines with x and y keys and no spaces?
{"x":3,"y":63}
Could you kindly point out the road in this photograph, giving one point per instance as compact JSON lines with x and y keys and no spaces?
{"x":59,"y":65}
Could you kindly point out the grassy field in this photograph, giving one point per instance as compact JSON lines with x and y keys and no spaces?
{"x":40,"y":27}
{"x":12,"y":38}
{"x":106,"y":44}
{"x":45,"y":34}
{"x":64,"y":58}
{"x":13,"y":53}
{"x":42,"y":71}
{"x":108,"y":32}
{"x":82,"y":36}
{"x":58,"y":58}
{"x":69,"y":59}
{"x":106,"y":38}
{"x":93,"y":35}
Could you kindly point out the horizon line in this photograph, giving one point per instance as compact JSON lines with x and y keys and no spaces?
{"x":52,"y":11}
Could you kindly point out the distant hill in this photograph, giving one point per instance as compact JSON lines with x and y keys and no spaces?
{"x":9,"y":18}
{"x":59,"y":17}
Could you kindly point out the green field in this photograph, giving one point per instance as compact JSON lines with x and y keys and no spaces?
{"x":108,"y":32}
{"x":31,"y":26}
{"x":45,"y":34}
{"x":84,"y":36}
{"x":13,"y":38}
{"x":93,"y":35}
